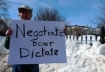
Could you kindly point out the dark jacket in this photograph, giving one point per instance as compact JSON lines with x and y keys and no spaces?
{"x":6,"y":43}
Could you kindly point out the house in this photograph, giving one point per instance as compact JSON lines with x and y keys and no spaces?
{"x":82,"y":30}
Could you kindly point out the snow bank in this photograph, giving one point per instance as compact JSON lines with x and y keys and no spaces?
{"x":80,"y":58}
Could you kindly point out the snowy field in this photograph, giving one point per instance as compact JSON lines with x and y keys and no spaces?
{"x":80,"y":58}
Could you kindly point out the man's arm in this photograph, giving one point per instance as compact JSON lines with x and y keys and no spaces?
{"x":7,"y":42}
{"x":7,"y":39}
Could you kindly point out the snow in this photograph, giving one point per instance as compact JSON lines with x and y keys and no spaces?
{"x":80,"y":58}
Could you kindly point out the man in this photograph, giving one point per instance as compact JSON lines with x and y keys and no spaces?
{"x":25,"y":13}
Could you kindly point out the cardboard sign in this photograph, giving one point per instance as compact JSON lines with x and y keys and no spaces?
{"x":34,"y":42}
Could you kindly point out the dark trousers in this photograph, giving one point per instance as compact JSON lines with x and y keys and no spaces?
{"x":26,"y":68}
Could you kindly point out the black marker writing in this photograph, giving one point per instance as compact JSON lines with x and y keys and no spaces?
{"x":34,"y":43}
{"x":21,"y":52}
{"x":41,"y":53}
{"x":22,"y":32}
{"x":37,"y":33}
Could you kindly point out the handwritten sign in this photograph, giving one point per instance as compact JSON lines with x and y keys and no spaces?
{"x":34,"y":42}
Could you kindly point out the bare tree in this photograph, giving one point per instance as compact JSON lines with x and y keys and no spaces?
{"x":48,"y":14}
{"x":100,"y":19}
{"x":4,"y":16}
{"x":3,"y":26}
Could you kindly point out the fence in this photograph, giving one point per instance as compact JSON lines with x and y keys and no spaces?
{"x":89,"y":39}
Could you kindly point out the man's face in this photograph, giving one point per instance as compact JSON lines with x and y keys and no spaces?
{"x":25,"y":14}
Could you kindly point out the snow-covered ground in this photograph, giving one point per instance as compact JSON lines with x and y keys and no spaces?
{"x":80,"y":58}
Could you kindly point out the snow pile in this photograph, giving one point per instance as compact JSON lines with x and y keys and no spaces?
{"x":1,"y":42}
{"x":4,"y":57}
{"x":80,"y":58}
